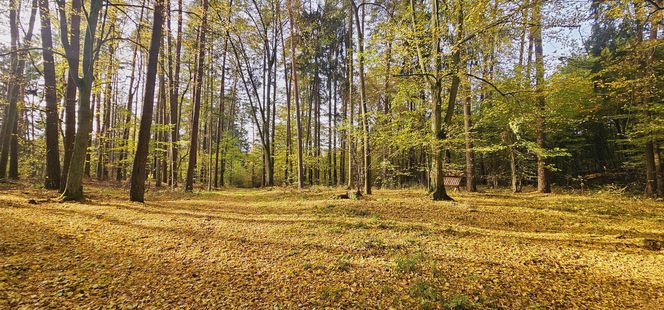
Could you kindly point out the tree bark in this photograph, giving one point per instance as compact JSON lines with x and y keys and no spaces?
{"x":543,"y":185}
{"x":220,"y":121}
{"x":138,"y":173}
{"x":296,"y":94}
{"x":130,"y":101}
{"x":8,"y":135}
{"x":350,"y":108}
{"x":70,"y":91}
{"x":193,"y":147}
{"x":52,"y":180}
{"x":366,"y":151}
{"x":470,"y":153}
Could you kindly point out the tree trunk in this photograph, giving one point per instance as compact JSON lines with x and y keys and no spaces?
{"x":470,"y":153}
{"x":8,"y":135}
{"x":193,"y":147}
{"x":52,"y":180}
{"x":220,"y":122}
{"x":138,"y":173}
{"x":103,"y":139}
{"x":543,"y":185}
{"x":659,"y":174}
{"x":174,"y":98}
{"x":366,"y":151}
{"x":651,"y":170}
{"x":296,"y":94}
{"x":349,"y":59}
{"x":70,"y":92}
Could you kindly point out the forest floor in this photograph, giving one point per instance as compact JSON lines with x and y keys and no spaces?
{"x":280,"y":248}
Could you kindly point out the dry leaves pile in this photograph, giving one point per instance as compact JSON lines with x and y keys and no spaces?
{"x":283,"y":249}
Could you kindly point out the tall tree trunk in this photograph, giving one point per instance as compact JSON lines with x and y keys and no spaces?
{"x":288,"y":166}
{"x":8,"y":135}
{"x":70,"y":91}
{"x":175,"y":97}
{"x":542,"y":171}
{"x":440,"y":133}
{"x":193,"y":147}
{"x":659,"y":174}
{"x":130,"y":100}
{"x":52,"y":180}
{"x":470,"y":153}
{"x":220,"y":121}
{"x":138,"y":173}
{"x":296,"y":94}
{"x":651,"y":169}
{"x":103,"y":139}
{"x":366,"y":151}
{"x":349,"y":59}
{"x":74,"y":188}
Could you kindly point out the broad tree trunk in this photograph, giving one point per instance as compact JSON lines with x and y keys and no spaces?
{"x":52,"y":180}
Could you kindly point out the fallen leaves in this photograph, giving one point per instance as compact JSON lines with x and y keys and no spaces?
{"x":284,"y":249}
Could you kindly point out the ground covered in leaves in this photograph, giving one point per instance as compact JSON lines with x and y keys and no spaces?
{"x":280,"y":248}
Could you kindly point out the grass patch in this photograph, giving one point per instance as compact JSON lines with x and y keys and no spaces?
{"x":409,"y":264}
{"x":358,"y":211}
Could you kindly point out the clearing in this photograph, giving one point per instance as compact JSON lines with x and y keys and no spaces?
{"x":279,"y":248}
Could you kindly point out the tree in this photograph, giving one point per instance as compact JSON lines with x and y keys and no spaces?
{"x":52,"y":180}
{"x":138,"y":173}
{"x":74,"y":188}
{"x":542,"y":170}
{"x":70,"y":91}
{"x":198,"y":87}
{"x":8,"y":135}
{"x":296,"y":94}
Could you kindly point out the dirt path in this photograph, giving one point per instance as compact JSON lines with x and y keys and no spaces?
{"x":282,"y":249}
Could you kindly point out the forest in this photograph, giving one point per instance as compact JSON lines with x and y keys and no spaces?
{"x":434,"y":154}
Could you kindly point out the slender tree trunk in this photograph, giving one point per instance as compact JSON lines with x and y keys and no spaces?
{"x":193,"y":147}
{"x":138,"y":174}
{"x":470,"y":153}
{"x":88,"y":155}
{"x":542,"y":171}
{"x":349,"y":56}
{"x":366,"y":151}
{"x":296,"y":93}
{"x":130,"y":99}
{"x":288,"y":166}
{"x":651,"y":169}
{"x":222,"y":104}
{"x":52,"y":180}
{"x":174,"y":100}
{"x":8,"y":136}
{"x":103,"y":139}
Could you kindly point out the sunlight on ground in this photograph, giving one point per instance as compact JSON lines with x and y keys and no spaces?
{"x":285,"y":249}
